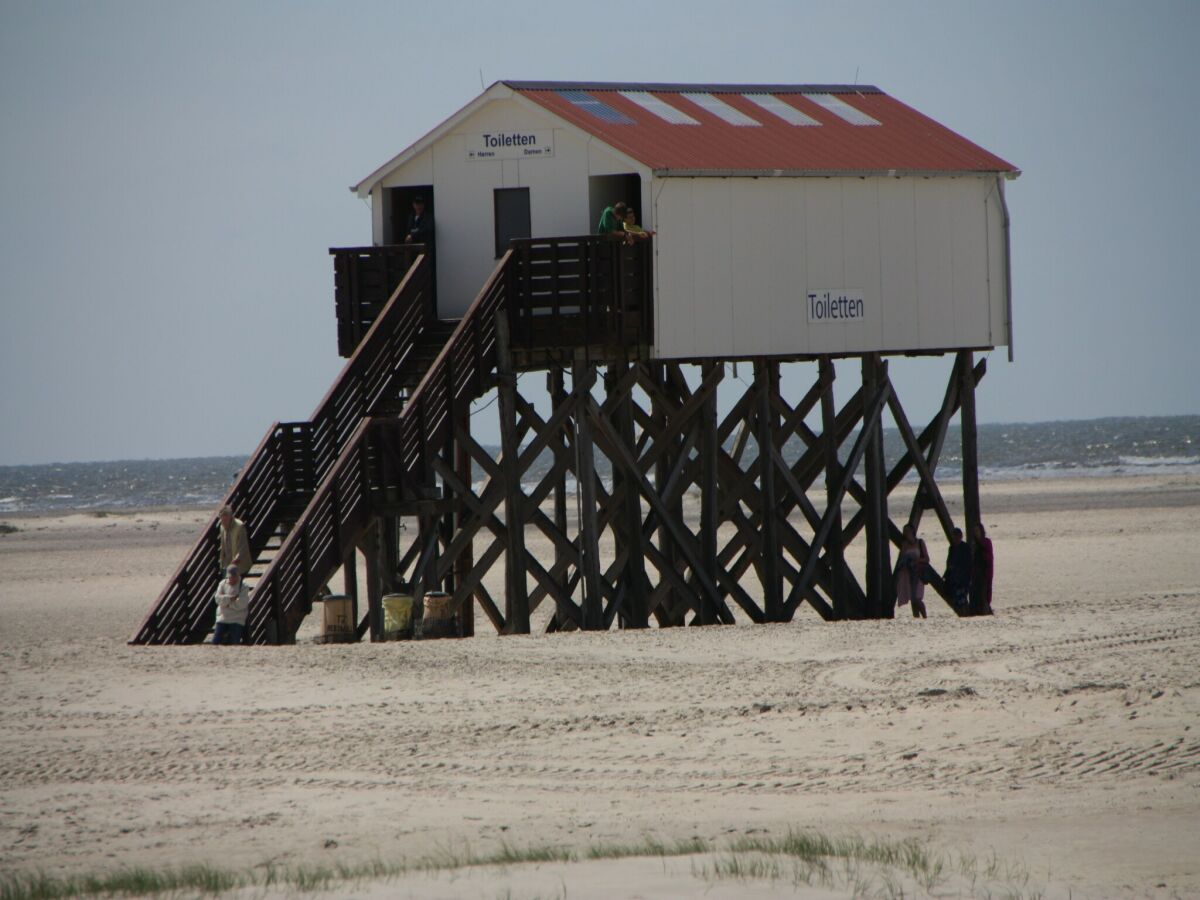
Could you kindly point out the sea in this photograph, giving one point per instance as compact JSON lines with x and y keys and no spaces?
{"x":1078,"y":449}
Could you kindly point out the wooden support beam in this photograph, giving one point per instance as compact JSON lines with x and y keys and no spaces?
{"x":880,"y":599}
{"x":928,"y":484}
{"x":582,"y":376}
{"x":633,"y":612}
{"x":970,"y":447}
{"x":516,"y":591}
{"x":464,"y":562}
{"x":834,"y":548}
{"x":766,"y":383}
{"x":371,"y":544}
{"x":558,"y":398}
{"x":709,"y":498}
{"x":350,"y":579}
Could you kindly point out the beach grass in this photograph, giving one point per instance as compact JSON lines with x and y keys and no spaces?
{"x":863,"y":867}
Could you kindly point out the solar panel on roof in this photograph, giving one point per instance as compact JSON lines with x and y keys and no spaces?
{"x":842,"y":109}
{"x":722,"y":110}
{"x":783,"y":110}
{"x":597,"y":108}
{"x":659,"y":107}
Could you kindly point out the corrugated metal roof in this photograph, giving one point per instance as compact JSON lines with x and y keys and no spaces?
{"x":903,"y":141}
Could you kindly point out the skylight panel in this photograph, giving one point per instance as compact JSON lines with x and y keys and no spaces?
{"x":598,"y":108}
{"x":722,"y":110}
{"x":842,"y":109}
{"x":780,"y":108}
{"x":659,"y":107}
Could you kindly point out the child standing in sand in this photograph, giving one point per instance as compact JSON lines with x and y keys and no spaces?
{"x":233,"y":603}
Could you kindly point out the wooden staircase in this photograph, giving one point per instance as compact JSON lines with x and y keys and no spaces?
{"x":311,"y":489}
{"x":294,"y":458}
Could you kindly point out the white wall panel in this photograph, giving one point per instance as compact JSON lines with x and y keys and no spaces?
{"x":737,"y":257}
{"x":898,"y":262}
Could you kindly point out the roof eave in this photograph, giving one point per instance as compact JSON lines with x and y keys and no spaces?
{"x":832,"y":173}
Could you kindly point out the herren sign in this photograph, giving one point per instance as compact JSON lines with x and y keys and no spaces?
{"x":510,"y":144}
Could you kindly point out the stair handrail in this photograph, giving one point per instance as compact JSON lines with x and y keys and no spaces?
{"x":366,"y":379}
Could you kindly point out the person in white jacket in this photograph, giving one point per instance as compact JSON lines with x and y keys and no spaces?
{"x":233,"y":602}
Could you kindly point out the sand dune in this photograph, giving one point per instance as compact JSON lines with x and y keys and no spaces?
{"x":1063,"y":733}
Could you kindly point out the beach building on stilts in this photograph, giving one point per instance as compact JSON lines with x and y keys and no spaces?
{"x":825,"y":227}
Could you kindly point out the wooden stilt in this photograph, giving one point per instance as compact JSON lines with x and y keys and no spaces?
{"x":516,"y":591}
{"x":710,"y":500}
{"x":766,"y":384}
{"x":635,"y":610}
{"x":465,"y":560}
{"x":880,"y":599}
{"x":373,"y":554}
{"x":834,"y":548}
{"x":970,"y":451}
{"x":350,"y":581}
{"x":582,"y":376}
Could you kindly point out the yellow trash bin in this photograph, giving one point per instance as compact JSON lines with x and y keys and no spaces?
{"x":397,"y":617}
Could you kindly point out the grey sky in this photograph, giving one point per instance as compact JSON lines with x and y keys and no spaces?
{"x":172,"y":174}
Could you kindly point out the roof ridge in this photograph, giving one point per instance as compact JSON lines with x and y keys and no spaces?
{"x":674,"y":87}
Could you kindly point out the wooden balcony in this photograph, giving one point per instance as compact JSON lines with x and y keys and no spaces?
{"x":563,"y":294}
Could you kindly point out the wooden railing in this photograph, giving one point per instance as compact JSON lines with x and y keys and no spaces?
{"x":378,"y":456}
{"x":293,"y":459}
{"x":364,"y":279}
{"x":581,"y":292}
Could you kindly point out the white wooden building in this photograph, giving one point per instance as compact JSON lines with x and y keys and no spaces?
{"x":791,"y":219}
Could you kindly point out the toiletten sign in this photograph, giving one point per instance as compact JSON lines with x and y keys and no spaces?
{"x":844,"y":306}
{"x":510,"y":144}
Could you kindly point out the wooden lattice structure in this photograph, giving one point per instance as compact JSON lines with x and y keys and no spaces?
{"x":392,"y":442}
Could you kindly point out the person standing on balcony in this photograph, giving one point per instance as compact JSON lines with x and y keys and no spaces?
{"x":235,"y":545}
{"x":233,"y":603}
{"x":612,"y":220}
{"x":420,"y":225}
{"x":632,"y":227}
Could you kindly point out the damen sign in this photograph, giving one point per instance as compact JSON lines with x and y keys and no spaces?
{"x":842,"y":306}
{"x":510,"y":144}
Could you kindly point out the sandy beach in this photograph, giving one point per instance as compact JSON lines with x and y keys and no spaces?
{"x":1061,"y":736}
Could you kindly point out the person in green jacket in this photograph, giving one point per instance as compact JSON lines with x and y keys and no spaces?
{"x":612,"y":220}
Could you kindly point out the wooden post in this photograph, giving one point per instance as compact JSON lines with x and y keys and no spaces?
{"x":970,"y":449}
{"x":766,"y":383}
{"x":516,"y":590}
{"x":350,"y":582}
{"x":582,"y":374}
{"x":466,"y":558}
{"x":880,"y":599}
{"x":558,"y":399}
{"x":373,"y":553}
{"x":634,"y":611}
{"x":834,"y":547}
{"x":710,"y":499}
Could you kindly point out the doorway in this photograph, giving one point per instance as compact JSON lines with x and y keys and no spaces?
{"x":606,"y":190}
{"x":398,"y":207}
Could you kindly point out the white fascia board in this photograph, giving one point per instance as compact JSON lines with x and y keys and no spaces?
{"x":585,"y":136}
{"x":498,"y":91}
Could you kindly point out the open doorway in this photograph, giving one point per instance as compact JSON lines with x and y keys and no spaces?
{"x":398,"y":207}
{"x":606,"y":190}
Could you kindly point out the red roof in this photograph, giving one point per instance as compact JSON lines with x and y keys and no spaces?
{"x":895,"y":137}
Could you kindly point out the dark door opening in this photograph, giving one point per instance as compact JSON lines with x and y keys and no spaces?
{"x":607,"y":190}
{"x":512,"y":216}
{"x":398,"y":207}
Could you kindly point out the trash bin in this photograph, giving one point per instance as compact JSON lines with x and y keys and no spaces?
{"x":439,"y":620}
{"x":397,"y":617}
{"x":337,"y":624}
